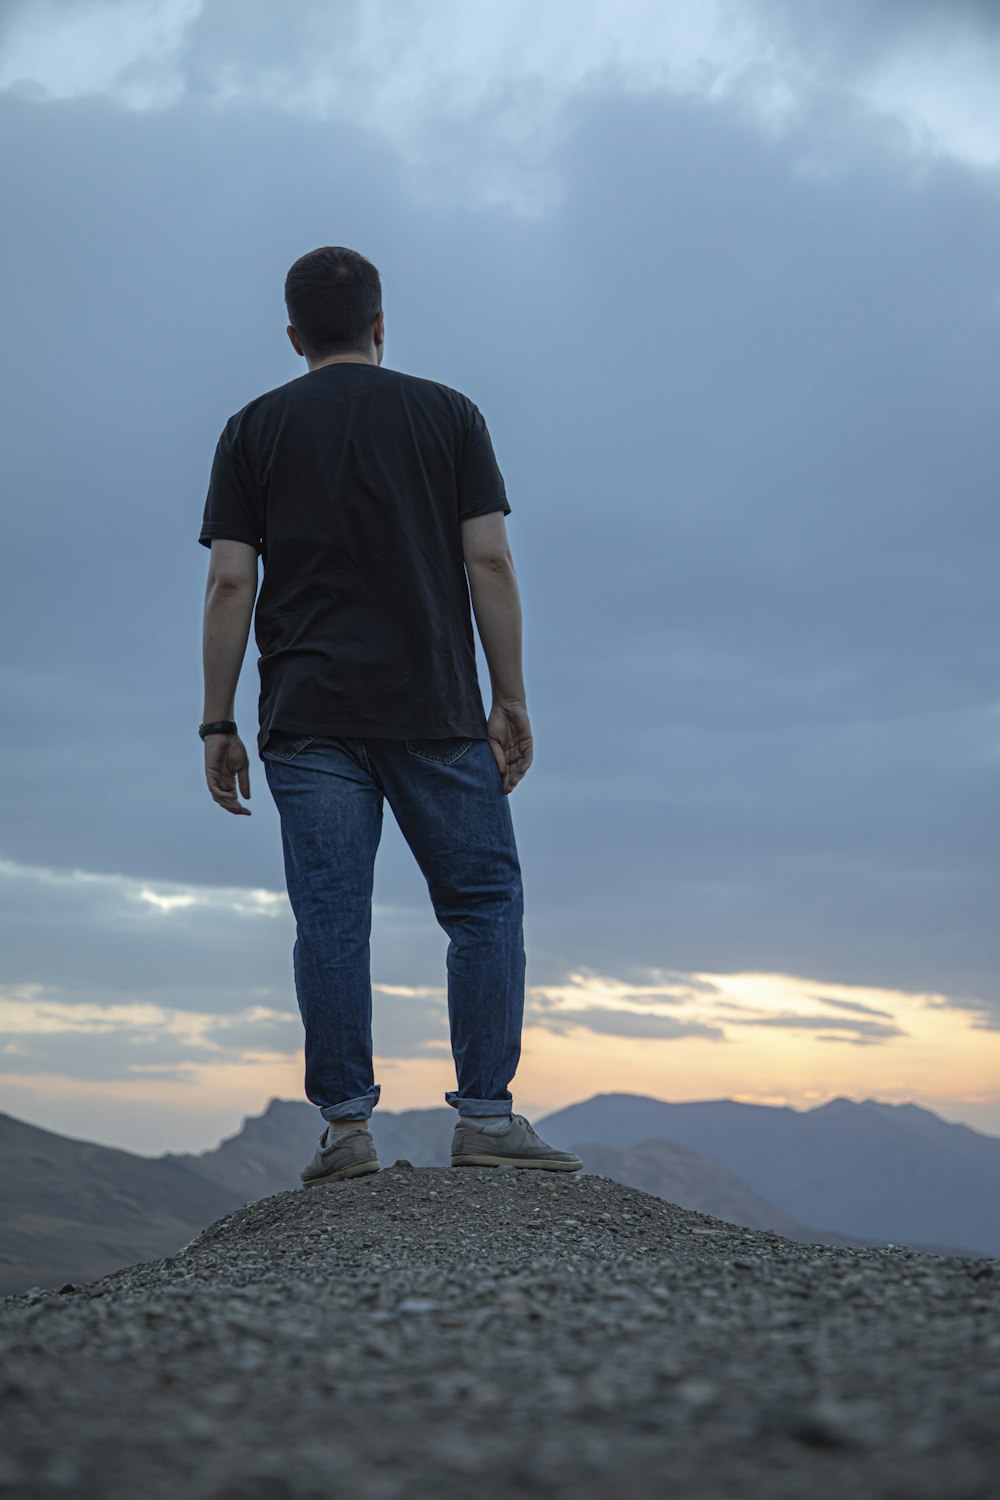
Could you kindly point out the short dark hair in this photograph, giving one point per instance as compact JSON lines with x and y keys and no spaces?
{"x":333,"y":296}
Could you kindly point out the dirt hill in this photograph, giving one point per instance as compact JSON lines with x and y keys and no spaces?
{"x":435,"y":1331}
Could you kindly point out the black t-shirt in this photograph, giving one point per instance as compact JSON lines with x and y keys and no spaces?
{"x":352,"y":482}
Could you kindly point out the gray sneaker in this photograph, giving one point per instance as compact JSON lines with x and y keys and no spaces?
{"x":341,"y":1153}
{"x":476,"y":1144}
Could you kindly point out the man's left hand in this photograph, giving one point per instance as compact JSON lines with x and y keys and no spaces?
{"x":226,"y":766}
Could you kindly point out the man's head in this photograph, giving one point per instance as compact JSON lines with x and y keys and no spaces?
{"x":334,"y":301}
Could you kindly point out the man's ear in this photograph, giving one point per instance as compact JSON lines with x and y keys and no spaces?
{"x":295,"y":340}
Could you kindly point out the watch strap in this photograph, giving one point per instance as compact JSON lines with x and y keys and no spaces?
{"x":219,"y":726}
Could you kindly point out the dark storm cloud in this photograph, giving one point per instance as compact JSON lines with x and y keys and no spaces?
{"x":741,"y":389}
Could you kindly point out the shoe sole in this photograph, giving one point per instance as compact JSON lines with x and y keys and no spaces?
{"x":516,"y":1161}
{"x":359,"y":1169}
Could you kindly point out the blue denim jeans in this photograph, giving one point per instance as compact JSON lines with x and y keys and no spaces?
{"x":447,"y":798}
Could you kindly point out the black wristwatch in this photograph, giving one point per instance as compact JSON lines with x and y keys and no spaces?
{"x":221,"y":726}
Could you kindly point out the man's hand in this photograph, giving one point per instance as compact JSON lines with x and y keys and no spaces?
{"x":509,"y":734}
{"x":226,"y":764}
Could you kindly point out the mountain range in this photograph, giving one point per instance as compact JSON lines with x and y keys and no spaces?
{"x":896,"y":1173}
{"x":73,"y":1210}
{"x":846,"y":1173}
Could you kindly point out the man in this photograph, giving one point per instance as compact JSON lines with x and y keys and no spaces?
{"x":377,"y":507}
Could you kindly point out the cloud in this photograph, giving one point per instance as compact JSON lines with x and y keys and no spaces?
{"x":860,"y":36}
{"x":40,"y":1034}
{"x":67,"y":48}
{"x":852,"y":1006}
{"x":698,"y":1007}
{"x":850,"y":1041}
{"x":506,"y":71}
{"x":132,"y":933}
{"x":45,"y":1030}
{"x":753,"y":545}
{"x":734,"y":332}
{"x":858,"y":1030}
{"x":147,"y":972}
{"x":620,"y":1021}
{"x":931,"y":65}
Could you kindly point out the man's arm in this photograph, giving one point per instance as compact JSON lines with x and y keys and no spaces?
{"x":496,"y":603}
{"x":229,"y":600}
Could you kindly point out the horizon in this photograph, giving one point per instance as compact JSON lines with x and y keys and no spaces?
{"x":541,"y":1115}
{"x":723,"y":283}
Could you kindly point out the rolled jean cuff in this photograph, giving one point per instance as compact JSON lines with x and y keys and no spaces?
{"x":478,"y":1108}
{"x":351,"y":1109}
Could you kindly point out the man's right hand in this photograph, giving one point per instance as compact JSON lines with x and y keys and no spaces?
{"x":509,"y":734}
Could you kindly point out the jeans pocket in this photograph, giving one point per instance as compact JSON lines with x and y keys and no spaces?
{"x":443,"y":751}
{"x":285,"y":746}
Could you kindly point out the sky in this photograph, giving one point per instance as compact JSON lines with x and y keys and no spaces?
{"x":724,"y":280}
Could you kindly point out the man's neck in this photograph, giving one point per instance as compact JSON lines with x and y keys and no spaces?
{"x":342,"y":359}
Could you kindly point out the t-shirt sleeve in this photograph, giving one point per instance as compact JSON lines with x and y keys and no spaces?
{"x":480,"y":483}
{"x":232,"y":511}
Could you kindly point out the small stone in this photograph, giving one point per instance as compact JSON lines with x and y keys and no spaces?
{"x":821,"y":1423}
{"x":695,"y":1393}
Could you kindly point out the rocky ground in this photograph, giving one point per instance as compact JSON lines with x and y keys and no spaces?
{"x":439,"y":1331}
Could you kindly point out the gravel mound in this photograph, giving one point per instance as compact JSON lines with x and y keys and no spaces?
{"x":393,"y":1336}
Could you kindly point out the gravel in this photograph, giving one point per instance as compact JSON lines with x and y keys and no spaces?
{"x":393,"y":1336}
